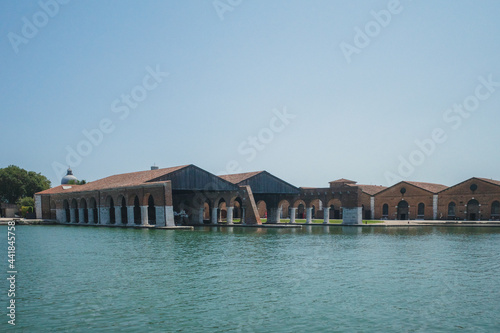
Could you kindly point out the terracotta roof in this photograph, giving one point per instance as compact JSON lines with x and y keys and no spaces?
{"x":122,"y":180}
{"x":239,"y":177}
{"x":491,"y":181}
{"x":343,"y":180}
{"x":370,"y":189}
{"x":431,"y":187}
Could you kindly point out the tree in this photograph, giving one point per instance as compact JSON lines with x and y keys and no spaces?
{"x":16,"y":183}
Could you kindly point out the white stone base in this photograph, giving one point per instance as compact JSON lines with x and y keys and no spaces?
{"x":352,"y":215}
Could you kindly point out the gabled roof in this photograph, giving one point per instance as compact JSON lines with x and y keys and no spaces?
{"x":343,"y":180}
{"x":486,"y":180}
{"x":121,"y":180}
{"x":262,"y":182}
{"x":239,"y":177}
{"x":370,"y":189}
{"x":429,"y":187}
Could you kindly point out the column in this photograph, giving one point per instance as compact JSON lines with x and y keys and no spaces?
{"x":61,"y":215}
{"x":118,"y":215}
{"x":435,"y":207}
{"x":90,"y":213}
{"x":72,"y":218}
{"x":214,"y":215}
{"x":309,"y":214}
{"x":230,"y":211}
{"x":130,"y":216}
{"x":243,"y":212}
{"x":81,"y":215}
{"x":104,"y":215}
{"x":201,"y":212}
{"x":292,"y":214}
{"x":169,"y":216}
{"x":273,"y":215}
{"x":372,"y":207}
{"x":326,"y":215}
{"x":144,"y":215}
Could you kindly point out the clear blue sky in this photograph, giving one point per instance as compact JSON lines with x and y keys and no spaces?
{"x":229,"y":67}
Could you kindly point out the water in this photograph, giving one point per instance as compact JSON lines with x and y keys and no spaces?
{"x":418,"y":279}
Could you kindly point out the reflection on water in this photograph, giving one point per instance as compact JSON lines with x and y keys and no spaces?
{"x":216,"y":279}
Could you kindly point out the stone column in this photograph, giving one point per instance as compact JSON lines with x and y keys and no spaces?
{"x":372,"y":207}
{"x":72,"y":218}
{"x":130,"y":216}
{"x":169,"y":216}
{"x":292,"y":214}
{"x":230,"y":211}
{"x":214,"y":215}
{"x":273,"y":216}
{"x":309,"y":214}
{"x":243,"y":212}
{"x":81,"y":215}
{"x":90,"y":213}
{"x":435,"y":207}
{"x":326,"y":215}
{"x":352,"y":215}
{"x":104,"y":215}
{"x":118,"y":215}
{"x":61,"y":215}
{"x":201,"y":212}
{"x":144,"y":215}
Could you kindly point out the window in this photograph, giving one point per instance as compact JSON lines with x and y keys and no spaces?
{"x":451,"y":209}
{"x":495,"y":208}
{"x":385,"y":210}
{"x":421,"y":209}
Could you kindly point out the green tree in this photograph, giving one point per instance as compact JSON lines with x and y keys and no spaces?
{"x":16,"y":183}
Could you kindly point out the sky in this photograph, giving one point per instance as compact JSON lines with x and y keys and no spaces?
{"x":311,"y":91}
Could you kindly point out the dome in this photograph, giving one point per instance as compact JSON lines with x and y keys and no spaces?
{"x":69,"y":177}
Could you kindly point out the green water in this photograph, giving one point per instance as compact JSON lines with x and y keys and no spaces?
{"x":319,"y":279}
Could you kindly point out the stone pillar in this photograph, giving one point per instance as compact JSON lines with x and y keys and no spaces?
{"x":214,"y":215}
{"x":201,"y":212}
{"x":81,"y":215}
{"x":243,"y":213}
{"x":292,"y":214}
{"x":104,"y":215}
{"x":169,"y":216}
{"x":309,"y":214}
{"x":230,"y":211}
{"x":72,"y":218}
{"x":435,"y":207}
{"x":118,"y":215}
{"x":90,"y":213}
{"x":160,"y":216}
{"x":38,"y":207}
{"x":130,"y":216}
{"x":326,"y":215}
{"x":372,"y":207}
{"x":60,"y":215}
{"x":144,"y":215}
{"x":352,"y":215}
{"x":273,"y":216}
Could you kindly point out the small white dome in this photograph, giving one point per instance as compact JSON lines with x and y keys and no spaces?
{"x":69,"y":177}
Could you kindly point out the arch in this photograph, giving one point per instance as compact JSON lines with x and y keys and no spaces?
{"x":123,"y":209}
{"x":284,"y":208}
{"x":67,"y":210}
{"x":403,"y":210}
{"x":83,"y":205}
{"x":262,"y":208}
{"x":385,"y":211}
{"x":222,"y":210}
{"x":473,"y":212}
{"x":137,"y":210}
{"x":316,"y":205}
{"x":238,"y":210}
{"x":452,"y":210}
{"x":299,"y":202}
{"x":151,"y":211}
{"x":335,"y":209}
{"x":206,"y":211}
{"x":421,"y":210}
{"x":301,"y":211}
{"x":495,"y":210}
{"x":74,"y":208}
